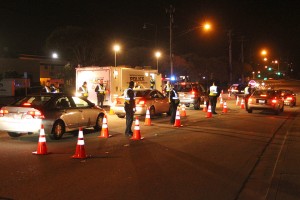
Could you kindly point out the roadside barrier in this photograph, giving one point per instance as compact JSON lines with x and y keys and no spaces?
{"x":104,"y":130}
{"x":137,"y":131}
{"x":237,"y":101}
{"x":205,"y":107}
{"x":148,"y":118}
{"x":177,"y":119}
{"x":224,"y":107}
{"x":80,"y":150}
{"x":182,"y":111}
{"x":209,"y":114}
{"x":42,"y":147}
{"x":242,"y":104}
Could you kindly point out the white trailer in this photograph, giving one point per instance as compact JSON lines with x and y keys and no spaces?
{"x":116,"y":80}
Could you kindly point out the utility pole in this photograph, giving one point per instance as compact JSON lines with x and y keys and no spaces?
{"x":242,"y":58}
{"x":171,"y":11}
{"x":229,"y":33}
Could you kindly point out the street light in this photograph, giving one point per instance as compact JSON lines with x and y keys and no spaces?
{"x":116,"y":49}
{"x":264,"y":52}
{"x":54,"y":55}
{"x":157,"y":55}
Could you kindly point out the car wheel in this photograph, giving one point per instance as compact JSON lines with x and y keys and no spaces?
{"x":152,"y":111}
{"x":99,"y":122}
{"x":58,"y":130}
{"x":14,"y":134}
{"x":197,"y":105}
{"x":121,"y":116}
{"x":249,"y":110}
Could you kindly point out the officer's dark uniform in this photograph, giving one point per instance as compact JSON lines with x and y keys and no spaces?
{"x":174,"y":101}
{"x":100,"y":90}
{"x":214,"y":93}
{"x":129,"y":108}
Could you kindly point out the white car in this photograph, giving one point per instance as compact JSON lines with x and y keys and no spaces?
{"x":59,"y":113}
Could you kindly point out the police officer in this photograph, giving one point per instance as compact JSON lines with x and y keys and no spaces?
{"x":214,"y":93}
{"x":100,"y":90}
{"x":47,"y":87}
{"x":84,"y":90}
{"x":167,"y":88}
{"x":152,"y":83}
{"x":174,"y":101}
{"x":129,"y":108}
{"x":247,"y":93}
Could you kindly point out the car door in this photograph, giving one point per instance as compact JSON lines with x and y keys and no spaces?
{"x":87,"y":115}
{"x":67,"y":112}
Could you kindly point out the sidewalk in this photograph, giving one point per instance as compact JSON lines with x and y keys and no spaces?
{"x":286,"y":182}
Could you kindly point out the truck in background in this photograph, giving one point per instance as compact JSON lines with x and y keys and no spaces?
{"x":116,"y":80}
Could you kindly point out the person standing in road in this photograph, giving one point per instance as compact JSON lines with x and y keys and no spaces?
{"x":247,"y":93}
{"x":152,"y":83}
{"x":214,"y":93}
{"x":129,"y":108}
{"x":84,"y":90}
{"x":47,"y":87}
{"x":100,"y":90}
{"x":167,"y":88}
{"x":174,"y":102}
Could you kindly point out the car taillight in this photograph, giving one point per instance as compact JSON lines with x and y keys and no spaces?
{"x":3,"y":112}
{"x":274,"y":100}
{"x":141,"y":102}
{"x":26,"y":104}
{"x":193,"y":94}
{"x":36,"y":114}
{"x":289,"y":98}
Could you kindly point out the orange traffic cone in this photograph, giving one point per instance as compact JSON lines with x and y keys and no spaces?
{"x":224,"y":107}
{"x":104,"y":130}
{"x":80,"y":150}
{"x":177,"y":120}
{"x":42,"y":147}
{"x":209,"y":114}
{"x":221,"y":102}
{"x":182,"y":112}
{"x":242,"y":104}
{"x":237,"y":101}
{"x":137,"y":131}
{"x":148,"y":118}
{"x":205,"y":107}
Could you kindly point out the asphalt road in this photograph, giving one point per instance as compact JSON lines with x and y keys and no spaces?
{"x":236,"y":155}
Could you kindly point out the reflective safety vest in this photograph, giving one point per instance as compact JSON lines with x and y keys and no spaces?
{"x":126,"y":97}
{"x":101,"y":89}
{"x":246,"y":91}
{"x":168,"y":87}
{"x":84,"y":91}
{"x":175,"y":97}
{"x":213,"y":90}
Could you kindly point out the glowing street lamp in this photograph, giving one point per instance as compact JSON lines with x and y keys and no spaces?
{"x":116,"y":50}
{"x":207,"y":26}
{"x":263,"y":52}
{"x":157,"y":55}
{"x":54,"y":55}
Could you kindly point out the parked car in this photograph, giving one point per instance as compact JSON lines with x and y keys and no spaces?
{"x":59,"y":113}
{"x":289,"y":97}
{"x":144,"y":99}
{"x":265,"y":100}
{"x":191,"y":93}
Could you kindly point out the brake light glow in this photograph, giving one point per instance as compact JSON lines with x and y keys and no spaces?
{"x":274,"y":100}
{"x":26,"y":104}
{"x":193,"y":94}
{"x":3,"y":112}
{"x":142,"y":102}
{"x":263,"y":95}
{"x":289,"y":98}
{"x":36,"y":114}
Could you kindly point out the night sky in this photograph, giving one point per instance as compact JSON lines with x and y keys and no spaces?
{"x":273,"y":24}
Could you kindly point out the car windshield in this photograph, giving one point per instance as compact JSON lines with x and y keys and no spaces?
{"x":33,"y":100}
